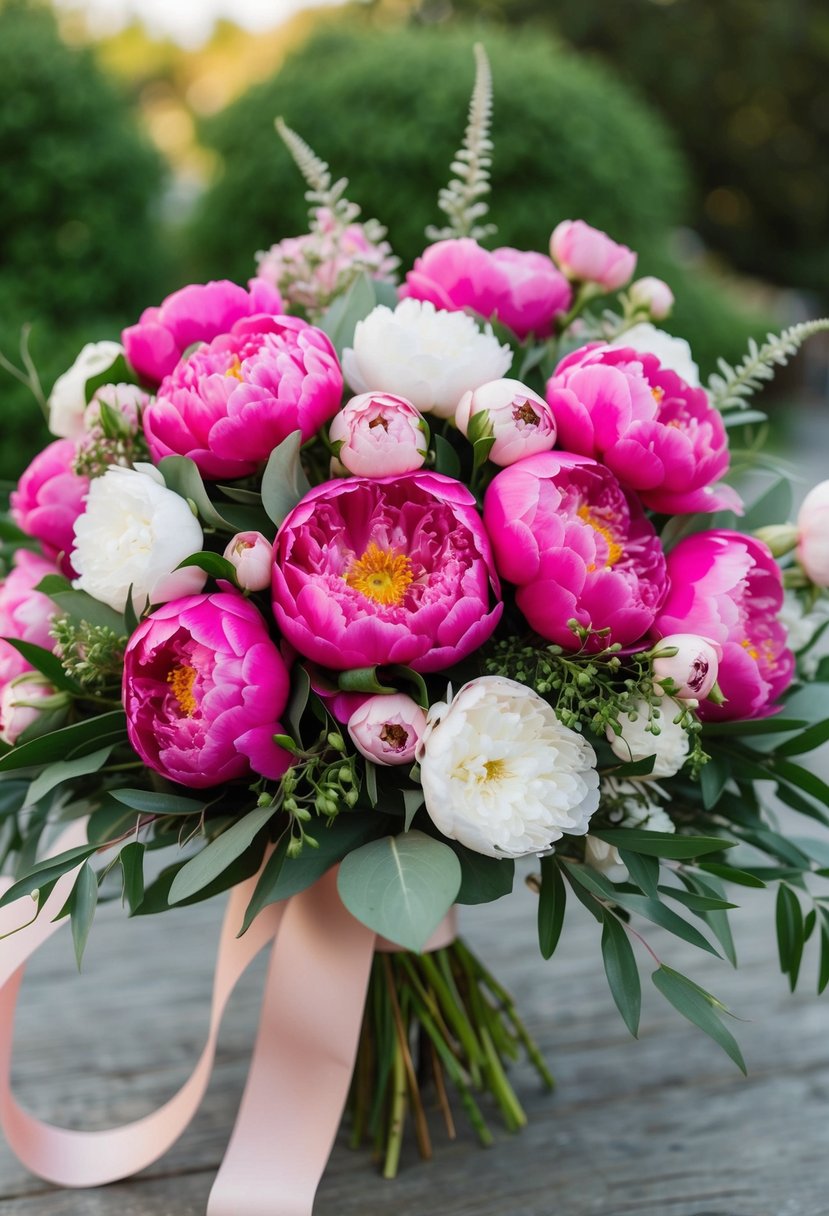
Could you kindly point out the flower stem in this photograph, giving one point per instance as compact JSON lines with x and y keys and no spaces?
{"x":398,"y":1114}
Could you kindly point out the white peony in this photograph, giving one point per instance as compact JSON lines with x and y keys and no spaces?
{"x":673,"y":353}
{"x":134,"y":532}
{"x":501,"y":774}
{"x":636,"y":742}
{"x":67,"y":401}
{"x":425,"y":354}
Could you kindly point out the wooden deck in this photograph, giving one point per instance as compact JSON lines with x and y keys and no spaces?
{"x":661,"y":1127}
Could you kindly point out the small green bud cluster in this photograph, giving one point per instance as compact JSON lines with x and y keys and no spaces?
{"x":91,"y":654}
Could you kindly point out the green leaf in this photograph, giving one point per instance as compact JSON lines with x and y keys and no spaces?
{"x":447,"y":460}
{"x":340,"y":320}
{"x":66,"y":770}
{"x":118,"y":372}
{"x":730,"y":874}
{"x":480,"y":452}
{"x":713,"y":779}
{"x":363,"y":679}
{"x":643,"y":870}
{"x":695,"y":901}
{"x":635,"y":768}
{"x":552,"y":901}
{"x":157,"y":894}
{"x":47,"y":872}
{"x":181,"y":475}
{"x":263,"y":891}
{"x":154,"y":803}
{"x":218,"y":855}
{"x":212,"y":564}
{"x":716,"y":919}
{"x":78,"y":605}
{"x":790,"y":934}
{"x":400,"y":673}
{"x":300,"y":691}
{"x":662,"y":844}
{"x":131,"y":858}
{"x":81,"y":907}
{"x":823,"y":972}
{"x":803,"y":779}
{"x":773,"y":506}
{"x":757,"y":726}
{"x":806,"y":742}
{"x":109,"y":822}
{"x":401,"y":886}
{"x":698,"y":1007}
{"x":483,"y":879}
{"x":68,"y":742}
{"x":284,"y":483}
{"x":371,"y":782}
{"x":621,"y":971}
{"x":345,"y":833}
{"x":413,"y":801}
{"x":47,"y":663}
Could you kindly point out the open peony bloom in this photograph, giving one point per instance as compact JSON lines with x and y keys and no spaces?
{"x":204,"y":687}
{"x":660,"y":437}
{"x":577,"y":547}
{"x":727,"y":587}
{"x":380,"y":436}
{"x":196,"y":313}
{"x":500,"y":772}
{"x":518,"y":419}
{"x":49,"y":498}
{"x":522,"y":290}
{"x":813,"y":534}
{"x":393,"y":570}
{"x":588,"y":255}
{"x":387,"y":729}
{"x":231,"y":403}
{"x":669,"y":742}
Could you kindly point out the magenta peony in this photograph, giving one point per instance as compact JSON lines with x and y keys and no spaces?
{"x":196,"y":313}
{"x":49,"y":498}
{"x":588,"y":255}
{"x":396,"y":570}
{"x":660,"y":437}
{"x":577,"y":547}
{"x":204,"y":686}
{"x":232,"y":402}
{"x":522,"y":290}
{"x":727,"y":587}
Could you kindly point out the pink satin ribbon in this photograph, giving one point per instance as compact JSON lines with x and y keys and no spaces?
{"x":300,"y":1070}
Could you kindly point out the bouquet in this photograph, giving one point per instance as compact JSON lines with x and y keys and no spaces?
{"x":345,"y":595}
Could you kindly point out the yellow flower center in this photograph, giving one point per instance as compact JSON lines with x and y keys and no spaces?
{"x":614,"y":549}
{"x":235,"y":368}
{"x":495,"y":770}
{"x":657,"y":393}
{"x":181,"y":680}
{"x":381,"y":575}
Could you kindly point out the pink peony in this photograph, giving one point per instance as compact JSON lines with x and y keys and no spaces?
{"x":204,"y":686}
{"x":652,"y":296}
{"x":232,"y":402}
{"x":577,"y":547}
{"x":251,"y":555}
{"x":386,"y":729}
{"x":522,"y":290}
{"x":660,"y":437}
{"x":691,"y":672}
{"x":381,"y":435}
{"x":813,"y":534}
{"x":25,"y":614}
{"x":49,"y":498}
{"x":395,"y":570}
{"x":520,"y":421}
{"x":196,"y":313}
{"x":728,"y":587}
{"x":588,"y":255}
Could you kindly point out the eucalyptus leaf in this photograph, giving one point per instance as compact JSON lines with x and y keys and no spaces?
{"x":447,"y":460}
{"x":341,"y":319}
{"x":81,"y":907}
{"x":643,"y":870}
{"x":814,"y":737}
{"x":47,"y":872}
{"x":698,"y":1007}
{"x":483,"y":879}
{"x":47,"y":663}
{"x":212,"y":564}
{"x":772,"y":506}
{"x":262,"y":893}
{"x":670,"y":845}
{"x":79,"y":606}
{"x":131,"y":858}
{"x":412,"y":801}
{"x":621,"y":971}
{"x":68,"y":742}
{"x":181,"y":474}
{"x":153,"y":802}
{"x":790,"y":933}
{"x":345,"y":833}
{"x":218,"y":855}
{"x":552,"y":900}
{"x":66,"y":770}
{"x":284,"y":483}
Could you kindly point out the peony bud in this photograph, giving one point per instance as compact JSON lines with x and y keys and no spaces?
{"x":690,"y":672}
{"x":67,"y":401}
{"x":521,"y":422}
{"x":379,"y":435}
{"x":588,"y":255}
{"x":387,"y":729}
{"x":652,"y":296}
{"x":636,"y":742}
{"x":22,"y":701}
{"x":813,"y":534}
{"x":251,"y":554}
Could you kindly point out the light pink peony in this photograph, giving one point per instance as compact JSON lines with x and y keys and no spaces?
{"x":728,"y":587}
{"x":22,"y":701}
{"x":660,"y":437}
{"x":653,"y":296}
{"x":520,"y":421}
{"x":588,"y":255}
{"x":196,"y":313}
{"x":396,"y":570}
{"x":251,"y":555}
{"x":691,"y":672}
{"x":381,"y":436}
{"x":232,"y":402}
{"x":577,"y":547}
{"x":813,"y":534}
{"x":204,"y":686}
{"x":386,"y":729}
{"x":49,"y":498}
{"x":522,"y":290}
{"x":25,"y":614}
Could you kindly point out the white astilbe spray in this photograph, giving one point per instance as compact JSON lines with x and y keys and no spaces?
{"x":462,"y":200}
{"x":731,"y":388}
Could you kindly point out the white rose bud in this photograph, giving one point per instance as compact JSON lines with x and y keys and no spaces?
{"x":380,"y":435}
{"x":652,"y":296}
{"x":251,"y":554}
{"x":501,"y":774}
{"x":521,"y":422}
{"x":813,"y":534}
{"x":134,"y":533}
{"x":691,"y":672}
{"x":636,"y":742}
{"x":673,"y":353}
{"x":386,"y":729}
{"x":67,"y":401}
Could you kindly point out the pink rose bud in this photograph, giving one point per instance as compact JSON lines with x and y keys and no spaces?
{"x":387,"y":729}
{"x":521,"y":421}
{"x":589,"y":256}
{"x":692,"y":671}
{"x":251,"y":554}
{"x":652,"y":296}
{"x":381,"y":435}
{"x":813,"y":534}
{"x":22,"y":701}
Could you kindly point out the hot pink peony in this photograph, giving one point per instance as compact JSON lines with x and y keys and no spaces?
{"x":196,"y":313}
{"x":395,"y":570}
{"x":49,"y":498}
{"x":25,"y":614}
{"x":588,"y":255}
{"x":522,"y":290}
{"x":577,"y":547}
{"x":204,"y":686}
{"x":660,"y":437}
{"x":232,"y":402}
{"x":728,"y":587}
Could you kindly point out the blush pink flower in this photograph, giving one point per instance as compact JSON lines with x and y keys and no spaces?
{"x":204,"y":687}
{"x":813,"y":534}
{"x":196,"y":313}
{"x":522,"y":290}
{"x":588,"y":255}
{"x":49,"y":498}
{"x":660,"y":437}
{"x":727,"y":587}
{"x":25,"y":614}
{"x":232,"y":402}
{"x":576,"y":547}
{"x":394,"y":570}
{"x":387,"y":729}
{"x":520,"y":421}
{"x":381,"y":435}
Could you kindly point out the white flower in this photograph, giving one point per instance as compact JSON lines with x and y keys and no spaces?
{"x":427,"y":355}
{"x":638,"y":810}
{"x":67,"y":402}
{"x":134,"y":532}
{"x":673,"y":353}
{"x":652,"y":296}
{"x":636,"y":742}
{"x":801,"y":627}
{"x":813,"y":534}
{"x":501,"y":774}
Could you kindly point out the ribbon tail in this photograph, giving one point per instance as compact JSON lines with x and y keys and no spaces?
{"x":302,"y":1061}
